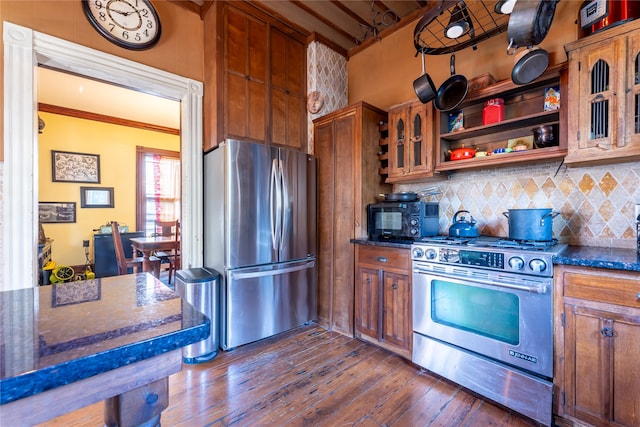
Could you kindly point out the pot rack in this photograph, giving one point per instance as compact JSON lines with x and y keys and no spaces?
{"x":484,"y":23}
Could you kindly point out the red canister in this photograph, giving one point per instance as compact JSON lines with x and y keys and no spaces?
{"x":493,"y":111}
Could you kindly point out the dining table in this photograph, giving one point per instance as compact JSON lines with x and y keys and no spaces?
{"x":150,"y":245}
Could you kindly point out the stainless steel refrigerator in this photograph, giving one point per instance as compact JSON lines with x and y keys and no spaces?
{"x":260,"y":234}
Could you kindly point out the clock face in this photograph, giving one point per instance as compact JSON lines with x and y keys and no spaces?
{"x":132,"y":24}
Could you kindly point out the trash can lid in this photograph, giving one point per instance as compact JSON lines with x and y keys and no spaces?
{"x":197,"y":275}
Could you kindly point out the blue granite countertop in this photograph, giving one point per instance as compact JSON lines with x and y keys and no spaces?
{"x":585,"y":256}
{"x":55,"y":335}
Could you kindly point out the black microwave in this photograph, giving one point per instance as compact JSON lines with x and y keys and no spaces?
{"x":402,"y":220}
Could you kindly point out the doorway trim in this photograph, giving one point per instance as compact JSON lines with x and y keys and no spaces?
{"x":26,"y":49}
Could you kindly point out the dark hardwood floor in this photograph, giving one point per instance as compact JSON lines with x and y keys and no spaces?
{"x":312,"y":377}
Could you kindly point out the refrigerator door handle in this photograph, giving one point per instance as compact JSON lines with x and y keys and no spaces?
{"x":263,"y":273}
{"x":275,"y":209}
{"x":283,"y":206}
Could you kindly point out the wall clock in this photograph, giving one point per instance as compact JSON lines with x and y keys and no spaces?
{"x":131,"y":24}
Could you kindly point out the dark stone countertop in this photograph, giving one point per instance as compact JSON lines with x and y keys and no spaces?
{"x":54,"y":335}
{"x":585,"y":256}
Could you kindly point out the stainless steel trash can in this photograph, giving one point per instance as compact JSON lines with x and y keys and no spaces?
{"x":200,"y":288}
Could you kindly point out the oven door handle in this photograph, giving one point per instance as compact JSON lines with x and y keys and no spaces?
{"x":534,"y":289}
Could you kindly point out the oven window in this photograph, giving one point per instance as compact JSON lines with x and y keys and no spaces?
{"x":389,"y":220}
{"x":486,"y":312}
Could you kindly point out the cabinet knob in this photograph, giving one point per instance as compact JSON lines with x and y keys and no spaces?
{"x":394,"y":286}
{"x":638,"y":296}
{"x":381,"y":259}
{"x":606,"y":332}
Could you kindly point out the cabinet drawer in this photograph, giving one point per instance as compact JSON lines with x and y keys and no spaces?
{"x":623,"y":291}
{"x":383,"y":257}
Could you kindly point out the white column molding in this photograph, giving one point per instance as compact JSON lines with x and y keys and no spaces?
{"x":25,"y":49}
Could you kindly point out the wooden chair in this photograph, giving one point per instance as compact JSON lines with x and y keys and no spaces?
{"x":171,"y":257}
{"x":125,"y":263}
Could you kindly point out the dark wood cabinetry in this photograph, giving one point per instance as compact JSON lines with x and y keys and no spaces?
{"x":288,"y":83}
{"x":255,"y":78}
{"x":410,"y":142}
{"x":604,"y":96}
{"x":383,"y":298}
{"x":346,"y":145}
{"x":597,"y":345}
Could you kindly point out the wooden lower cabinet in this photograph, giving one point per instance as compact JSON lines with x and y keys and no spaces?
{"x":383,"y":298}
{"x":598,"y":345}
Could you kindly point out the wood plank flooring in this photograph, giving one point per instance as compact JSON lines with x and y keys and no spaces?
{"x":313,"y":377}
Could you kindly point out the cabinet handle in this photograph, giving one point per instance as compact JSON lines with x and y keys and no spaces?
{"x":606,"y":332}
{"x":638,"y":296}
{"x":368,"y":280}
{"x":381,"y":259}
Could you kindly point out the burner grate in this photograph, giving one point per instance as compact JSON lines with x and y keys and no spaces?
{"x":524,"y":244}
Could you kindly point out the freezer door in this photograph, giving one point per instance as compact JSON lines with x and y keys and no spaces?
{"x":260,"y":302}
{"x":298,"y":238}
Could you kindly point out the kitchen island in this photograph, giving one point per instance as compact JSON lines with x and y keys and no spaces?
{"x":69,"y":345}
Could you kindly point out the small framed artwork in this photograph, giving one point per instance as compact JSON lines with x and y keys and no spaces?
{"x":75,"y":167}
{"x":54,"y":212}
{"x":96,"y":197}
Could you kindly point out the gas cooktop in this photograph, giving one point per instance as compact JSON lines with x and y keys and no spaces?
{"x":548,"y":246}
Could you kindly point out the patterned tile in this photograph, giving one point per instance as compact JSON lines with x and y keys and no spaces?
{"x":596,"y":204}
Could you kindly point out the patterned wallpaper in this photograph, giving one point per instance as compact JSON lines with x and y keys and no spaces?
{"x":327,"y":73}
{"x":595,"y":204}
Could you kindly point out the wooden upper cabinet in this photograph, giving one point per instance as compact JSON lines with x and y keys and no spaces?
{"x":288,"y":83}
{"x":411,"y":142}
{"x":246,"y":76}
{"x":255,"y":78}
{"x":604,"y":96}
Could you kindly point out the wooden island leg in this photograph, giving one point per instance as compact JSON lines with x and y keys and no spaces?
{"x":140,"y":407}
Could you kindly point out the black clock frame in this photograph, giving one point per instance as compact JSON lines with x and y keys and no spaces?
{"x":107,"y":35}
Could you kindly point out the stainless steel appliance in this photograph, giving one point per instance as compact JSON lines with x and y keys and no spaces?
{"x":402,"y":220}
{"x":482,"y":317}
{"x":260,"y":234}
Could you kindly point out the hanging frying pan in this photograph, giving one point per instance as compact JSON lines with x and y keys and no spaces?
{"x":424,"y":87}
{"x":452,"y":92}
{"x":529,"y":24}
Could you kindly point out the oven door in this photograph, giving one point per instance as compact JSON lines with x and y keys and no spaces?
{"x":507,"y":317}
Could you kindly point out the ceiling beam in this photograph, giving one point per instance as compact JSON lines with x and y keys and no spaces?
{"x":322,"y":19}
{"x":350,"y":12}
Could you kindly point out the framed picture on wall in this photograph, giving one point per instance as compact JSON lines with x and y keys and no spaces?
{"x":75,"y":167}
{"x":96,"y":197}
{"x":54,"y":212}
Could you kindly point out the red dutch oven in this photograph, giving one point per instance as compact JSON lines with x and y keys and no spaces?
{"x":462,"y":153}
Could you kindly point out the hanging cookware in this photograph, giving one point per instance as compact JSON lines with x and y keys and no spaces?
{"x":529,"y":24}
{"x":531,"y":224}
{"x":405,"y":196}
{"x":462,"y":227}
{"x":424,"y":87}
{"x":462,"y":153}
{"x":453,"y":91}
{"x":530,"y":65}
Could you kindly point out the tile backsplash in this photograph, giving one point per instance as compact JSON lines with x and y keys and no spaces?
{"x":595,"y":204}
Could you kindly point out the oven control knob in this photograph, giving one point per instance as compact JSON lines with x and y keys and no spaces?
{"x":430,"y":254}
{"x":414,"y":231}
{"x":414,"y":222}
{"x":537,"y":265}
{"x":516,"y":263}
{"x":417,"y":253}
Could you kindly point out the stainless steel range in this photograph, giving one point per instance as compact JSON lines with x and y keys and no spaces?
{"x":483,"y":317}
